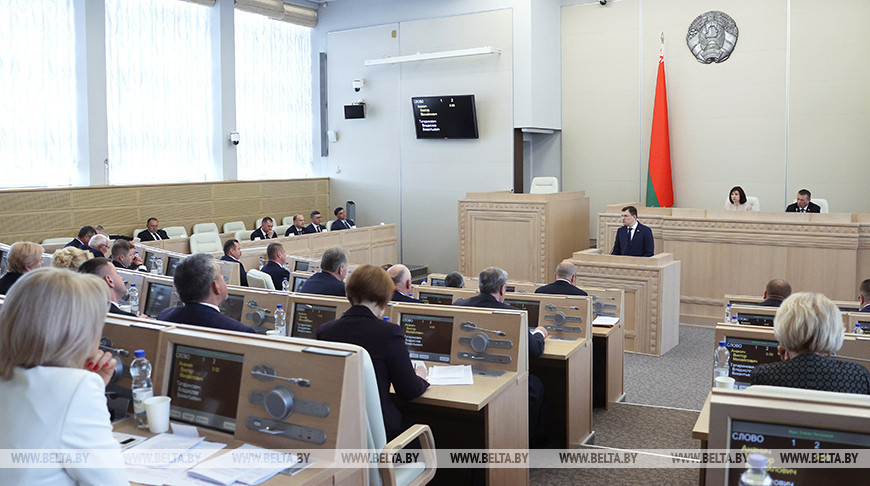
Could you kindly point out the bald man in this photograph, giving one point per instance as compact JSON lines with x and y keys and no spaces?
{"x":402,"y":281}
{"x":775,"y":292}
{"x":564,"y":284}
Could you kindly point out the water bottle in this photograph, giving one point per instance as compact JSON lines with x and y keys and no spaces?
{"x":281,"y":320}
{"x":285,"y":285}
{"x":858,"y":329}
{"x":133,"y":299}
{"x":756,"y":472}
{"x":723,"y":357}
{"x":140,"y":370}
{"x":387,"y":318}
{"x":728,"y":313}
{"x":262,"y":262}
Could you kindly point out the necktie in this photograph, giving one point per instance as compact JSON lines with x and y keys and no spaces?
{"x":630,"y":234}
{"x":156,"y":236}
{"x":803,"y":210}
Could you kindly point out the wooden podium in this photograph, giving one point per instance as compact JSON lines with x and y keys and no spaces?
{"x":525,"y":234}
{"x":652,"y":295}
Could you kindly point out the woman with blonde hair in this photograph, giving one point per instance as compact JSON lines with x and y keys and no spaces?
{"x":809,"y":328}
{"x":23,"y":257}
{"x":70,"y":258}
{"x":53,"y":377}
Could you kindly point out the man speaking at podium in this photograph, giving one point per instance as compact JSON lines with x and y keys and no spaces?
{"x":633,"y":239}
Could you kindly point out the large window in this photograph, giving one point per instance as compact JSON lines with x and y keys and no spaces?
{"x":273,"y":98}
{"x":38,"y":133}
{"x":159,"y":91}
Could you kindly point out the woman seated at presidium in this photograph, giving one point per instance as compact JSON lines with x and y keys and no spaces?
{"x":369,"y":289}
{"x":23,"y":257}
{"x":53,"y":377}
{"x":737,"y":200}
{"x":809,"y":328}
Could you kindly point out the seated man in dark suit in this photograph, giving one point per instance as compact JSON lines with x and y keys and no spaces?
{"x":493,"y":285}
{"x":341,"y":222}
{"x":402,"y":282}
{"x":202,"y":288}
{"x":803,"y":204}
{"x":330,"y":279}
{"x":298,"y":226}
{"x":315,"y":226}
{"x":275,"y":269}
{"x":564,"y":284}
{"x":265,"y":230}
{"x":152,"y":233}
{"x":99,"y":245}
{"x":864,"y":298}
{"x":775,"y":292}
{"x":84,"y":237}
{"x":232,"y":253}
{"x":124,"y":256}
{"x":455,"y":280}
{"x":104,"y":269}
{"x":633,"y":238}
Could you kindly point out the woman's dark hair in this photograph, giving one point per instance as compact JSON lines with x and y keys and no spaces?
{"x":742,"y":194}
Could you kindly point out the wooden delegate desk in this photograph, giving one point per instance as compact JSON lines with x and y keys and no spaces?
{"x":652,"y":290}
{"x":525,"y":234}
{"x":735,"y":252}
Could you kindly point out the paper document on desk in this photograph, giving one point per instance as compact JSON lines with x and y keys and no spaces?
{"x":605,"y":321}
{"x":221,"y":469}
{"x":451,"y":375}
{"x":173,"y":475}
{"x":171,"y":443}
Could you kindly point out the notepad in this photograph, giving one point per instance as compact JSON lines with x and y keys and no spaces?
{"x":451,"y":375}
{"x":605,"y":321}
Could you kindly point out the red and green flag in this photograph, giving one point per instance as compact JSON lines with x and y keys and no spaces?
{"x":659,"y":185}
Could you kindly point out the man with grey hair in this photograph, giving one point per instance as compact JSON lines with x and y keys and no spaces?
{"x":202,"y":288}
{"x":564,"y":284}
{"x":330,"y":279}
{"x":402,"y":281}
{"x":298,"y":226}
{"x":99,"y":245}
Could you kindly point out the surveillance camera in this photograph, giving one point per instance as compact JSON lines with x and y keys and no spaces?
{"x":602,"y":2}
{"x":234,"y":138}
{"x":358,"y":84}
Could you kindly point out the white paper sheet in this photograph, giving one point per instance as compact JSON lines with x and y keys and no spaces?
{"x":605,"y":321}
{"x":451,"y":375}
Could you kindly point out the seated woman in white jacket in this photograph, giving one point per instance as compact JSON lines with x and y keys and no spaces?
{"x":53,"y":378}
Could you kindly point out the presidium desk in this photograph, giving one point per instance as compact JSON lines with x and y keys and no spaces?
{"x":729,"y":252}
{"x":525,"y":234}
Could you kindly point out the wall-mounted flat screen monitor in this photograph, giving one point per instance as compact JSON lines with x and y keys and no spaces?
{"x":437,"y":282}
{"x":159,"y":296}
{"x":298,"y":282}
{"x":749,"y":319}
{"x":301,"y":266}
{"x":428,"y":337}
{"x":448,"y":116}
{"x":533,"y":307}
{"x":308,"y":317}
{"x":433,"y":298}
{"x":746,"y":354}
{"x":204,"y":387}
{"x":232,"y":306}
{"x":171,"y":264}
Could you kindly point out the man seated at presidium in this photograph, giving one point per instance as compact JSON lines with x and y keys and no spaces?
{"x":315,"y":226}
{"x":864,"y":296}
{"x":124,"y":256}
{"x":803,"y":204}
{"x":275,"y":266}
{"x":633,"y":238}
{"x":809,"y":329}
{"x":737,"y":200}
{"x":341,"y":222}
{"x":265,"y":230}
{"x":99,"y":245}
{"x":232,"y":253}
{"x":330,"y":279}
{"x":564,"y":284}
{"x":402,"y":284}
{"x":84,"y":237}
{"x":23,"y":257}
{"x":202,"y":288}
{"x":152,"y":233}
{"x":298,"y":226}
{"x":368,"y":290}
{"x":775,"y":292}
{"x":104,"y":269}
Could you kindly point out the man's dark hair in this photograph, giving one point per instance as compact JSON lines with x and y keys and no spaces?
{"x":93,"y":265}
{"x":149,"y":221}
{"x":338,"y":210}
{"x":229,"y":245}
{"x":864,"y":289}
{"x":313,"y":214}
{"x":193,"y":277}
{"x":272,"y":250}
{"x":87,"y":231}
{"x":266,"y":220}
{"x":804,"y":192}
{"x":121,"y":247}
{"x":454,"y":279}
{"x":631,"y":210}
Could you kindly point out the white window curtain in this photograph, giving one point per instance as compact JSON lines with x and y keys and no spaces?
{"x":38,"y":132}
{"x":159,"y":91}
{"x":273,"y":98}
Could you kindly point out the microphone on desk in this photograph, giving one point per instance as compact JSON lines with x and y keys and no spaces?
{"x":552,"y":307}
{"x":470,"y":326}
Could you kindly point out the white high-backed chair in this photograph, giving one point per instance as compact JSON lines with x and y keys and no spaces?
{"x":244,"y":235}
{"x":57,"y":241}
{"x":205,"y":243}
{"x":329,"y":224}
{"x":280,"y":230}
{"x":260,"y":280}
{"x":544,"y":185}
{"x":823,"y":204}
{"x":175,"y":231}
{"x":205,"y":228}
{"x":287,"y":221}
{"x":756,"y":204}
{"x":234,"y":226}
{"x":137,"y":231}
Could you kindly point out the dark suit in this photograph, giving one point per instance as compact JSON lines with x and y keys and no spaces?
{"x":385,"y":344}
{"x":96,"y":253}
{"x":866,"y":308}
{"x":771,"y":302}
{"x":76,"y":243}
{"x":114,"y":309}
{"x":400,"y":297}
{"x":147,"y":236}
{"x":7,"y":281}
{"x":293,"y":230}
{"x":340,"y":224}
{"x":120,"y":265}
{"x":202,"y":315}
{"x":811,"y":208}
{"x":277,"y":272}
{"x":313,"y":228}
{"x":243,"y":276}
{"x":813,"y":372}
{"x":641,"y":244}
{"x":323,"y":283}
{"x":258,"y":233}
{"x":560,"y":287}
{"x":536,"y":341}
